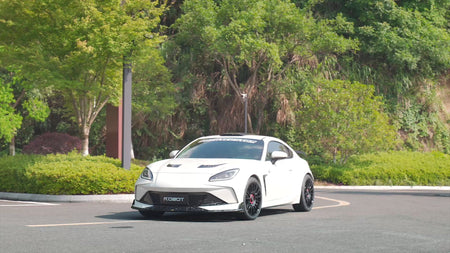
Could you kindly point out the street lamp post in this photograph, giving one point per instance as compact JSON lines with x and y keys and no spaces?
{"x":245,"y":97}
{"x":126,"y":127}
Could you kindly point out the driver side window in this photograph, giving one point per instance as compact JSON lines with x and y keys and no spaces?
{"x":276,"y":146}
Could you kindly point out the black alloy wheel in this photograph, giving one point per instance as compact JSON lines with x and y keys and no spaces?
{"x":307,"y":196}
{"x":252,"y":199}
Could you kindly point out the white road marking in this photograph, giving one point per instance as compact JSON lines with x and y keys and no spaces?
{"x":84,"y":223}
{"x":339,"y":203}
{"x":15,"y":203}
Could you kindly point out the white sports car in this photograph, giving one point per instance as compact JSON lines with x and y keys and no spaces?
{"x":226,"y":173}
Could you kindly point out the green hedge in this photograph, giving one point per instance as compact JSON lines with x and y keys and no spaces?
{"x":74,"y":174}
{"x":392,"y":168}
{"x":66,"y":174}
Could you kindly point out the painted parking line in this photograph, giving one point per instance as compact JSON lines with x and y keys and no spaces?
{"x":339,"y":203}
{"x":84,"y":223}
{"x":14,"y":203}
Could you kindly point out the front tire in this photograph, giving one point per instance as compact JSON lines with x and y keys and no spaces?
{"x":252,"y":199}
{"x":307,"y":195}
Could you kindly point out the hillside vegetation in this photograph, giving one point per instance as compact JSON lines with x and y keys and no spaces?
{"x":333,"y":78}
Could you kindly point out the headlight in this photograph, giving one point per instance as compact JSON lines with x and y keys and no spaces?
{"x":147,"y":174}
{"x":224,"y":175}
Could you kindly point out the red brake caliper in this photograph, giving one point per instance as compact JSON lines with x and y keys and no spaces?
{"x":252,"y":199}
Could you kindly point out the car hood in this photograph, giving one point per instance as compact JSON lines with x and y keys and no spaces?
{"x":180,"y":174}
{"x":200,"y":166}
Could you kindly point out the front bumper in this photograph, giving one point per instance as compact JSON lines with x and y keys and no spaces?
{"x":235,"y":207}
{"x":187,"y":193}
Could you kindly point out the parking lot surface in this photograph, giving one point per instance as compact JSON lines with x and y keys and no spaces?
{"x":341,"y":221}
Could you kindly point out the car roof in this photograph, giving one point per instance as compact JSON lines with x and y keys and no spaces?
{"x":238,"y":136}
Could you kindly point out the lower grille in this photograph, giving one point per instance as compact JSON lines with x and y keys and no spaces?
{"x":181,"y":199}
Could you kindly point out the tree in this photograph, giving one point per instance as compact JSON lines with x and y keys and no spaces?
{"x":78,"y":47}
{"x":227,"y":48}
{"x":153,"y":104}
{"x":405,"y":53}
{"x":9,"y":120}
{"x":401,"y":42}
{"x":341,"y":118}
{"x":25,"y":101}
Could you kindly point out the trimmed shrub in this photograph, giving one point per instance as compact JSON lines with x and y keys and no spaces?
{"x":337,"y":121}
{"x":389,"y":168}
{"x":75,"y":174}
{"x":53,"y":143}
{"x":66,"y":174}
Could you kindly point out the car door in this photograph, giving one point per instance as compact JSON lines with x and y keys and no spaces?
{"x":279,"y":181}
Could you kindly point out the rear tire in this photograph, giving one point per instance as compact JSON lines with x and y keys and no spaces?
{"x":252,"y":199}
{"x":307,"y":195}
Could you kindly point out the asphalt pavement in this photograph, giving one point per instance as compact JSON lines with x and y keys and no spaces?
{"x":343,"y":220}
{"x":123,"y":198}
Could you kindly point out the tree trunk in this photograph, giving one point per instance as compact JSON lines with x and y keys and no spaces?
{"x":334,"y":155}
{"x":12,"y":146}
{"x":87,"y":109}
{"x":85,"y":141}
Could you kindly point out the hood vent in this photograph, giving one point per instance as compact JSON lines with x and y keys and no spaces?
{"x":210,"y":165}
{"x":173,"y":165}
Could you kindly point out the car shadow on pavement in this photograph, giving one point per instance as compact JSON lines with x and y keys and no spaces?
{"x":190,"y":216}
{"x":121,"y":216}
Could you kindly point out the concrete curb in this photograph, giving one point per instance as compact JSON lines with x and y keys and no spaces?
{"x":387,"y":188}
{"x":128,"y":198}
{"x":113,"y":198}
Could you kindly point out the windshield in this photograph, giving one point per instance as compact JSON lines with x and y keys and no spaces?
{"x":235,"y":148}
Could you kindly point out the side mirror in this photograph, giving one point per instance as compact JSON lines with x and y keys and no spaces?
{"x":301,"y":154}
{"x":173,"y":153}
{"x":278,"y":155}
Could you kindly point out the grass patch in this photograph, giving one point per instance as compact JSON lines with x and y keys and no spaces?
{"x":389,"y":168}
{"x":66,"y":174}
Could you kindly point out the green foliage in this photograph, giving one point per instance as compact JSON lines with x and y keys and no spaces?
{"x":66,"y":174}
{"x":410,"y":42}
{"x":410,"y":37}
{"x":420,"y":122}
{"x":225,"y":48}
{"x":153,"y":103}
{"x":78,"y":47}
{"x":36,"y":108}
{"x":10,"y":121}
{"x":153,"y":90}
{"x":272,"y":50}
{"x":27,"y":103}
{"x":393,"y":168}
{"x":404,"y":50}
{"x":75,"y":174}
{"x":340,"y":118}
